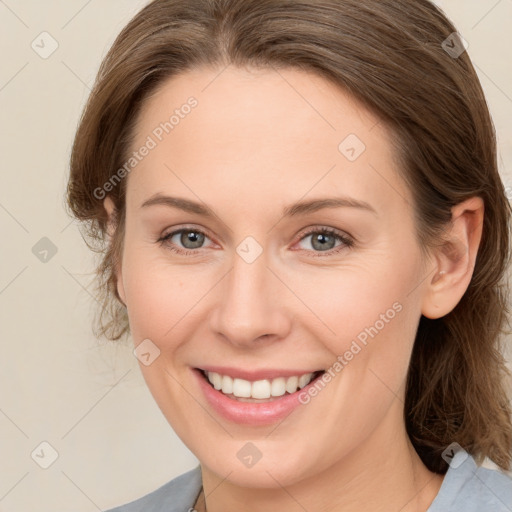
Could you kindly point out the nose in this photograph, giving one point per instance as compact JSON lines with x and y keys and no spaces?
{"x":251,"y":305}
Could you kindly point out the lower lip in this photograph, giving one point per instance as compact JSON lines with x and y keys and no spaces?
{"x":250,"y":413}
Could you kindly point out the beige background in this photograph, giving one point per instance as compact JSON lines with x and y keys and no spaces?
{"x":58,"y":384}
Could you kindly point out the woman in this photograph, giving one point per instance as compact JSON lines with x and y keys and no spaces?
{"x":306,"y":236}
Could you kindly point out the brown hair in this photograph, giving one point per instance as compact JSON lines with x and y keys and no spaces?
{"x":390,"y":55}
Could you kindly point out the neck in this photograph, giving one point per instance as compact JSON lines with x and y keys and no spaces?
{"x":384,"y":473}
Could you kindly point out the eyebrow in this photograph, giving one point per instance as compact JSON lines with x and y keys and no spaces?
{"x":305,"y":207}
{"x":300,"y":208}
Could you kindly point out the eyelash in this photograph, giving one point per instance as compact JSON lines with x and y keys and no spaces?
{"x":347,"y":242}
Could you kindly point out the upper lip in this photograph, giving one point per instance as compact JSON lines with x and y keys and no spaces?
{"x":254,"y":375}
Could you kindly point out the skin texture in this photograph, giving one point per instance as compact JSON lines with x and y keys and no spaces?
{"x":258,"y":141}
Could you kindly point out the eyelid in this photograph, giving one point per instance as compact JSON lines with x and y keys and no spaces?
{"x":319,"y":228}
{"x":175,"y":230}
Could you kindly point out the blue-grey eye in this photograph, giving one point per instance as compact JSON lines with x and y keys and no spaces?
{"x":188,"y":238}
{"x":323,"y":241}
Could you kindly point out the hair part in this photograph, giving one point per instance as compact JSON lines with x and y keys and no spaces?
{"x":388,"y":55}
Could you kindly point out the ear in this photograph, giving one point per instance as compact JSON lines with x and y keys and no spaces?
{"x":455,"y":260}
{"x":110,"y":208}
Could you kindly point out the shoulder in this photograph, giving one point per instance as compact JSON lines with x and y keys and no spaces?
{"x":470,"y":488}
{"x":177,"y":495}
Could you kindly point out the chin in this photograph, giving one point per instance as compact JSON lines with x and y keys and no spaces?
{"x":272,"y":470}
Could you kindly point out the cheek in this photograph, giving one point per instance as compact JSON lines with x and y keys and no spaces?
{"x":159,"y":294}
{"x":358,"y":304}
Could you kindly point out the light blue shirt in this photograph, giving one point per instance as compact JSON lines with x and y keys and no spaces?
{"x":466,"y":487}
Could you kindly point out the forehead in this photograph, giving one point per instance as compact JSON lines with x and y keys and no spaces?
{"x":258,"y":131}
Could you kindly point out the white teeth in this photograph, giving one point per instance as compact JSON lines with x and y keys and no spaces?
{"x":304,"y":380}
{"x":242,"y":388}
{"x":227,"y":385}
{"x":291,"y":384}
{"x":216,"y":380}
{"x":258,"y":389}
{"x":279,"y":386}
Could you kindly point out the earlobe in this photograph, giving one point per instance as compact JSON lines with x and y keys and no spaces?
{"x":110,"y":208}
{"x":455,"y":259}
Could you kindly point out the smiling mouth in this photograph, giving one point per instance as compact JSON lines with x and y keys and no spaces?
{"x":265,"y":390}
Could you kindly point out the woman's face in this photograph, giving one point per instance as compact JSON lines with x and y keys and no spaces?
{"x":249,"y":283}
